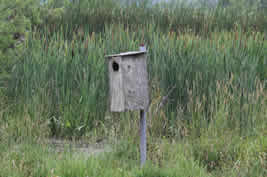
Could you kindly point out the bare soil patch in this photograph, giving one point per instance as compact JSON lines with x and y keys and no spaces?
{"x":86,"y":148}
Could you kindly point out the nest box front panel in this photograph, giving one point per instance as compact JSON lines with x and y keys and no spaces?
{"x":135,"y":82}
{"x":117,"y":99}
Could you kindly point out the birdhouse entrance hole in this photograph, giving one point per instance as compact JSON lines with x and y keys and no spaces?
{"x":115,"y":66}
{"x":128,"y":88}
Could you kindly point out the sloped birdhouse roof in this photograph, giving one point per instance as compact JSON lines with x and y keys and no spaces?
{"x":132,"y":53}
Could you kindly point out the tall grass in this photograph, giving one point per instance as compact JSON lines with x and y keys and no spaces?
{"x":208,"y":100}
{"x":69,"y":77}
{"x":177,"y":16}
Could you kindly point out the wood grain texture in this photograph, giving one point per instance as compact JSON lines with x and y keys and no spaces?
{"x":129,"y":84}
{"x":117,"y":100}
{"x":135,"y":86}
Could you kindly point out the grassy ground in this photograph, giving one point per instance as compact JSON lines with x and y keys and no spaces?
{"x":219,"y":150}
{"x":209,"y":155}
{"x":210,"y":67}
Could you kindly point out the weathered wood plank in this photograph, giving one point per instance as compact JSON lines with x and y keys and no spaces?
{"x":117,"y":99}
{"x":128,"y":81}
{"x":135,"y":86}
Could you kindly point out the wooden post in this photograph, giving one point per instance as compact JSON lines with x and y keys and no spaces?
{"x":128,"y":88}
{"x":142,"y":127}
{"x":142,"y":137}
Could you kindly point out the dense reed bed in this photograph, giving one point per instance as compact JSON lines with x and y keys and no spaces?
{"x":68,"y":77}
{"x":175,"y":16}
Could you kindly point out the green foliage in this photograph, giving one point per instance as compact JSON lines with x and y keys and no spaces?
{"x":30,"y":159}
{"x":70,"y":78}
{"x":17,"y":19}
{"x":22,"y":124}
{"x":262,"y":63}
{"x":246,"y":156}
{"x":211,"y":64}
{"x":96,"y":14}
{"x":13,"y":28}
{"x":225,"y":153}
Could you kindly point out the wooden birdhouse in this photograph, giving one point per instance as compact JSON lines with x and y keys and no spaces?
{"x":128,"y":81}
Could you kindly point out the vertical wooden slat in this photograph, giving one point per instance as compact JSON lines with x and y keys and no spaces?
{"x":117,"y":98}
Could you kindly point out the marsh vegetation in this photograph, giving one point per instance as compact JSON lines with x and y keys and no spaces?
{"x":208,"y":77}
